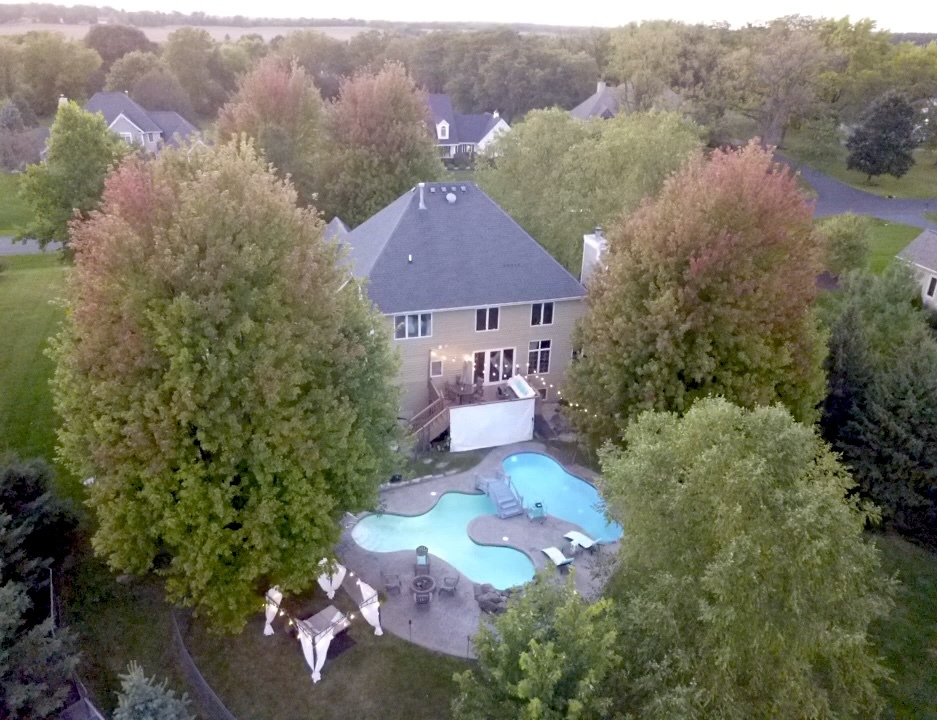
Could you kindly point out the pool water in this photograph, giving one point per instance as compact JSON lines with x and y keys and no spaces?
{"x":444,"y":528}
{"x":539,"y":478}
{"x":444,"y":531}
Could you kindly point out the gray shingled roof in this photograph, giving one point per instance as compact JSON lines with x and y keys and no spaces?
{"x":335,"y":229}
{"x":112,"y":104}
{"x":172,"y":124}
{"x":440,"y":106}
{"x":472,"y":128}
{"x":922,"y":251}
{"x":469,"y":253}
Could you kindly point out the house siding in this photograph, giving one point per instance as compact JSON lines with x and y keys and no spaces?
{"x":924,"y":276}
{"x":122,"y":125}
{"x":454,"y":336}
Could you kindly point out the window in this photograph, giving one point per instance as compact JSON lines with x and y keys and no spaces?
{"x":443,"y":130}
{"x":542,"y":392}
{"x":538,"y":357}
{"x":541,"y":314}
{"x":126,"y":137}
{"x":494,"y":366}
{"x":412,"y":326}
{"x":435,"y":368}
{"x":486,"y":319}
{"x":931,"y":287}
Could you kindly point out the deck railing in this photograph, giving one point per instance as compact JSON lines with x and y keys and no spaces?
{"x":431,"y":421}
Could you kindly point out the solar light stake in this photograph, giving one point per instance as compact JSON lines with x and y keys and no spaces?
{"x":410,"y":623}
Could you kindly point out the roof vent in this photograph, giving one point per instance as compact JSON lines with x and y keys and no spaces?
{"x":463,"y":188}
{"x":450,"y":198}
{"x":433,"y":190}
{"x":443,"y":188}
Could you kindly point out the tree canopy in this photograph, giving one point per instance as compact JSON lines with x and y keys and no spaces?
{"x":707,"y":291}
{"x":559,"y":177}
{"x":224,"y":381}
{"x":847,"y":242}
{"x":81,"y":152}
{"x":551,"y":656}
{"x":379,"y":144}
{"x":883,"y":142}
{"x":142,"y":698}
{"x":738,"y":522}
{"x":51,"y":65}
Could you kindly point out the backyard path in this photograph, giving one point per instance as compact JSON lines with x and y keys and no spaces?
{"x":30,"y":247}
{"x":447,"y":623}
{"x":835,"y":198}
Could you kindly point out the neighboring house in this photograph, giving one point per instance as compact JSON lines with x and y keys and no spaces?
{"x":150,"y":129}
{"x":468,"y":295}
{"x":335,"y":229}
{"x":607,"y":102}
{"x":463,"y":136}
{"x":921,"y":255}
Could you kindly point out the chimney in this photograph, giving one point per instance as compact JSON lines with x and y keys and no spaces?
{"x":594,"y":248}
{"x":496,"y":114}
{"x":600,"y":86}
{"x":63,"y":100}
{"x":422,"y":204}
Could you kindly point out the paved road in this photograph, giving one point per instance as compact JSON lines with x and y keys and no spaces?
{"x":8,"y":247}
{"x":834,"y":198}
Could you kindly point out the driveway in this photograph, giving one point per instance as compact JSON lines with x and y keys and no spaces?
{"x":835,"y":198}
{"x":30,"y":247}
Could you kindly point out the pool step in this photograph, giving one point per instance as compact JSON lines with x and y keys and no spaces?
{"x":505,"y":498}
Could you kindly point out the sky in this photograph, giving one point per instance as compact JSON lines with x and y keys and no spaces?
{"x":897,"y":16}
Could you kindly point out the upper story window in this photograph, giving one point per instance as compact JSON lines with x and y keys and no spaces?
{"x":413,"y":326}
{"x":442,"y":130}
{"x":932,"y":287}
{"x":541,"y":313}
{"x":486,"y":319}
{"x":538,"y":357}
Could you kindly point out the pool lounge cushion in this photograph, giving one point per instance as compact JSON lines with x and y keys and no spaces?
{"x":557,"y":556}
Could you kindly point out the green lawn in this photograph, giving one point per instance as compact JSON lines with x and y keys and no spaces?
{"x":13,"y":211}
{"x":888,"y":239}
{"x":932,"y":216}
{"x":908,"y":639}
{"x":919,"y":182}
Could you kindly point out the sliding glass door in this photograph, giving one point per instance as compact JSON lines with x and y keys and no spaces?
{"x":494,"y":366}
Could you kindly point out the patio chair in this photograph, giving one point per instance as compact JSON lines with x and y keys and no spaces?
{"x":578,"y":540}
{"x":559,"y":559}
{"x":391,"y":582}
{"x":421,"y":566}
{"x":449,"y":584}
{"x":537,"y":512}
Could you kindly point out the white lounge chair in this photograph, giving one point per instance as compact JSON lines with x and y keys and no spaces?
{"x":557,"y":556}
{"x":577,"y":539}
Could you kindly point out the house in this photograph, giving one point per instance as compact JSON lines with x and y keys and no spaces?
{"x":921,"y":255}
{"x":468,"y":297}
{"x":607,"y":102}
{"x":462,"y":136}
{"x":335,"y":229}
{"x":151,"y":129}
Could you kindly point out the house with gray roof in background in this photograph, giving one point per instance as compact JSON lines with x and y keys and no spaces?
{"x":470,"y":299}
{"x":921,"y":255}
{"x":460,"y":136}
{"x":150,"y":129}
{"x":608,"y":101}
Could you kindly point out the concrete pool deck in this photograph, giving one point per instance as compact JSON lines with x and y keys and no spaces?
{"x":448,"y":622}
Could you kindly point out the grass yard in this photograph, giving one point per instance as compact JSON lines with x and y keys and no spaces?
{"x":29,"y":315}
{"x":437,"y":463}
{"x":266,"y":678}
{"x":908,"y":639}
{"x":13,"y":211}
{"x":919,"y":182}
{"x":932,"y":216}
{"x":888,"y":239}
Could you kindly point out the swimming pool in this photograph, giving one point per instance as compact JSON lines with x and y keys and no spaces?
{"x":539,"y":478}
{"x":444,"y":528}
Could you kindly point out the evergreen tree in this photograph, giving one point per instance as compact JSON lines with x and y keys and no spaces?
{"x":142,"y":698}
{"x":883,"y":142}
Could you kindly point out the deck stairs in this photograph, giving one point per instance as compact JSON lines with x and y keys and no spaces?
{"x":503,"y":494}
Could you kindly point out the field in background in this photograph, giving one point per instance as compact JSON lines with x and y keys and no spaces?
{"x":218,"y":32}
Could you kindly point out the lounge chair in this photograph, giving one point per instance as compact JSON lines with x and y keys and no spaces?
{"x":578,"y":540}
{"x":391,"y":582}
{"x":557,"y":556}
{"x":449,"y":584}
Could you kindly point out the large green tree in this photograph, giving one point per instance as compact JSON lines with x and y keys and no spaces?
{"x":188,"y":53}
{"x":884,"y":141}
{"x":80,"y":153}
{"x":281,"y":109}
{"x":559,"y":177}
{"x":112,"y":42}
{"x":221,"y":377}
{"x":847,"y":242}
{"x":746,"y":585}
{"x":551,"y":656}
{"x":379,"y":144}
{"x":707,"y":290}
{"x":51,"y":65}
{"x":142,"y":698}
{"x":881,"y":410}
{"x":126,"y":71}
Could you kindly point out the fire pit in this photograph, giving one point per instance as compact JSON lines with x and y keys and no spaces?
{"x":422,"y":587}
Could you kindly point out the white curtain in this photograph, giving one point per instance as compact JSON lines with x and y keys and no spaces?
{"x":331,"y":583}
{"x":322,"y":647}
{"x":305,"y":639}
{"x":370,"y":608}
{"x":490,"y":425}
{"x":274,"y":598}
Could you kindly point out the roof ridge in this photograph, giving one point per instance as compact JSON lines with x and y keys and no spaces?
{"x":393,"y":229}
